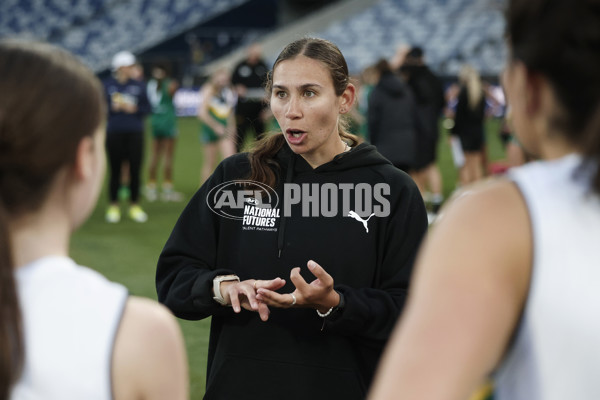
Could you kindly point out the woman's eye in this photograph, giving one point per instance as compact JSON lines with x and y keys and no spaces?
{"x":309,"y":93}
{"x":281,"y":95}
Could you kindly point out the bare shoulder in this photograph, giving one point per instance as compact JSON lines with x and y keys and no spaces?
{"x":493,"y":206}
{"x":149,"y":355}
{"x":142,"y":314}
{"x":490,"y":193}
{"x":484,"y":229}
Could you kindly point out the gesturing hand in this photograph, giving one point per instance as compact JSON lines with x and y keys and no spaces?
{"x":243,"y":295}
{"x":318,"y":294}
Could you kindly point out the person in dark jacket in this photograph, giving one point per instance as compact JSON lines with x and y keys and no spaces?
{"x":127,"y":106}
{"x":312,"y":203}
{"x":429,"y":97}
{"x":248,"y":78}
{"x":392,"y":119}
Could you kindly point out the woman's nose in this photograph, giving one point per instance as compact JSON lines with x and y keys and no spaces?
{"x":293,"y":110}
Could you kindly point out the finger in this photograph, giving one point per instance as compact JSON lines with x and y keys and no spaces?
{"x":250,"y":294}
{"x":263,"y":311}
{"x":267,"y":297}
{"x":298,"y":280}
{"x":235,"y":301}
{"x":320,"y":273}
{"x":272,"y":284}
{"x":275,"y":299}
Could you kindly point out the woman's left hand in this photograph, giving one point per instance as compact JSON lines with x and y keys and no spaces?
{"x":318,"y":294}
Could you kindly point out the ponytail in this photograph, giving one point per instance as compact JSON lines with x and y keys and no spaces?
{"x":263,"y":166}
{"x":11,"y":329}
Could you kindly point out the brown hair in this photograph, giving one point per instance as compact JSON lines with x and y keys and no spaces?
{"x":560,"y":40}
{"x":262,"y":163}
{"x":49,"y":102}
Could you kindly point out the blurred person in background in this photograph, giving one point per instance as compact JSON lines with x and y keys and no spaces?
{"x":429,"y":96}
{"x":160,"y":91}
{"x":66,"y":332}
{"x":469,"y":124}
{"x":507,"y":282}
{"x":127,"y":107}
{"x":399,"y":57}
{"x":319,"y":334}
{"x":124,"y":193}
{"x":217,"y":120}
{"x":368,"y":79}
{"x":392,"y":118}
{"x":248,"y":78}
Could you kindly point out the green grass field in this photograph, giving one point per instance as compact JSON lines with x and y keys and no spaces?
{"x":127,"y":252}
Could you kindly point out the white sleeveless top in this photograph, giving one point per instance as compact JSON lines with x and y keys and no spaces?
{"x":70,"y":317}
{"x":555,"y":354}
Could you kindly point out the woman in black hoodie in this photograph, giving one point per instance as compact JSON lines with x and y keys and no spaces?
{"x":310,"y":195}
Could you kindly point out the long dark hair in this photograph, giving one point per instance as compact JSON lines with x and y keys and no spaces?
{"x":560,"y":39}
{"x":49,"y":101}
{"x":262,"y":163}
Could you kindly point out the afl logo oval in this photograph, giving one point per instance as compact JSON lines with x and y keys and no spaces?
{"x":228,"y":199}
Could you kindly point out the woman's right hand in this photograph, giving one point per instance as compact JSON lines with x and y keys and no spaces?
{"x":243,"y":294}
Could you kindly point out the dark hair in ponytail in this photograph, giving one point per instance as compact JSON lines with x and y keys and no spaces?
{"x":560,"y":39}
{"x":262,"y":163}
{"x":49,"y":101}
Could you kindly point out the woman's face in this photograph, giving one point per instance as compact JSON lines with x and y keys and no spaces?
{"x":221,"y":79}
{"x":304,"y":102}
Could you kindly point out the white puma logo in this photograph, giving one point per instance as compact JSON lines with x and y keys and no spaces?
{"x":358,"y":218}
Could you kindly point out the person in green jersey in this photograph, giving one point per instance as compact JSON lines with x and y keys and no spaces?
{"x":217,"y":121}
{"x":161,"y":90}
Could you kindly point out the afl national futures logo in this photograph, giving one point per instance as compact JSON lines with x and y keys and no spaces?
{"x":258,"y":207}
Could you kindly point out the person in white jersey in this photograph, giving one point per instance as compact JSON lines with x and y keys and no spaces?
{"x":508,"y":282}
{"x":65,"y":331}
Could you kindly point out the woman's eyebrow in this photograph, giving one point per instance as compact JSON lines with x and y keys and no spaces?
{"x":304,"y":86}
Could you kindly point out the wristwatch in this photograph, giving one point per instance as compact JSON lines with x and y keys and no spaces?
{"x":217,"y":287}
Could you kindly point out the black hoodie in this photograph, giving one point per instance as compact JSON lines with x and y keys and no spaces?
{"x":296,"y":354}
{"x":392,"y":120}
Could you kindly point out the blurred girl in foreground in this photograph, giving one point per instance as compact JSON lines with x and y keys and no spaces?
{"x":65,"y":331}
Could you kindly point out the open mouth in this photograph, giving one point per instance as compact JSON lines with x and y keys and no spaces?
{"x":295,"y":136}
{"x":295,"y":132}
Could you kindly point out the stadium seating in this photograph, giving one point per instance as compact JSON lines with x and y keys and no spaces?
{"x":96,"y":29}
{"x":452,"y":32}
{"x":46,"y":19}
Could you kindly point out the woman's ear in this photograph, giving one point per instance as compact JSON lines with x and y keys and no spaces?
{"x":536,"y":92}
{"x":83,"y":166}
{"x":347,"y":98}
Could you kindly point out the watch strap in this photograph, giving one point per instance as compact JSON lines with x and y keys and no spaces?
{"x":218,"y":297}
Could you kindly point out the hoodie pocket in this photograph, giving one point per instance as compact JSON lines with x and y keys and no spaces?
{"x":239,"y":377}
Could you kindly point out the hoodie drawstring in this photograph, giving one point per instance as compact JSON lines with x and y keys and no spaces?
{"x":288,"y":178}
